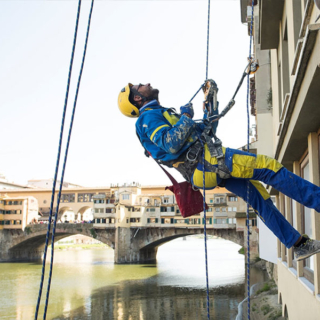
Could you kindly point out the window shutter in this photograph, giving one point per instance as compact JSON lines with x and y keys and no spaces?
{"x":171,"y":220}
{"x":156,"y":220}
{"x":162,"y":220}
{"x":187,"y":221}
{"x":148,"y":220}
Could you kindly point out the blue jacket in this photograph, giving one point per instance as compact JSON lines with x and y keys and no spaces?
{"x":164,"y":133}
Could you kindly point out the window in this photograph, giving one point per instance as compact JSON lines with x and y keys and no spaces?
{"x":233,"y":198}
{"x":306,"y":221}
{"x":135,"y":220}
{"x":224,"y":209}
{"x":217,"y":210}
{"x":165,"y":200}
{"x":234,"y":209}
{"x":151,"y":210}
{"x":98,"y":201}
{"x":126,"y":197}
{"x":85,"y":197}
{"x":152,"y":220}
{"x":109,"y":210}
{"x":68,"y":197}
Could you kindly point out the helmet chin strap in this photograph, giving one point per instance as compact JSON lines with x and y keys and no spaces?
{"x":143,"y":98}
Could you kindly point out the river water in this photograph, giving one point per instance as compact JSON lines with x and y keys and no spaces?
{"x":86,"y":284}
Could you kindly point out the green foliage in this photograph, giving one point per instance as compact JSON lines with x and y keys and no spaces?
{"x":275,"y":315}
{"x":27,"y":230}
{"x":266,"y":309}
{"x":266,"y":287}
{"x":257,"y":259}
{"x":241,"y":250}
{"x":93,"y":233}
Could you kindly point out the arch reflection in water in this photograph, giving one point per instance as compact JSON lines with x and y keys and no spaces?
{"x":88,"y":285}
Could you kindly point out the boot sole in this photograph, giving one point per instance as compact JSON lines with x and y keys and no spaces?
{"x":307,"y":256}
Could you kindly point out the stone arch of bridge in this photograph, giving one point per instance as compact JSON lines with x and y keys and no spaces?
{"x":66,"y":213}
{"x":34,"y":237}
{"x":156,"y":239}
{"x":84,"y":213}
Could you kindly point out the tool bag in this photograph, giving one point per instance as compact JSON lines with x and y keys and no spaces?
{"x":190,"y":201}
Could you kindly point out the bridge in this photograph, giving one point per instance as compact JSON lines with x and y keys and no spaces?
{"x":131,"y":245}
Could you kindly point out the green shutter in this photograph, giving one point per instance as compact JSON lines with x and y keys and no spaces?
{"x":172,"y":209}
{"x":215,"y":221}
{"x":156,"y":220}
{"x":210,"y":220}
{"x":162,"y":220}
{"x":148,"y":220}
{"x":187,"y":221}
{"x":171,"y":220}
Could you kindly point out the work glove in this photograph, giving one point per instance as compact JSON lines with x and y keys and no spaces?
{"x":188,"y":108}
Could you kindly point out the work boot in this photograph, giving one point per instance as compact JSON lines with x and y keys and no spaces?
{"x":307,"y":249}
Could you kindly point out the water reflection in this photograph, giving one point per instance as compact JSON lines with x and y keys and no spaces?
{"x":87,"y":285}
{"x":144,"y":300}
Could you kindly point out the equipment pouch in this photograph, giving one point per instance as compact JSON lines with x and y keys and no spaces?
{"x":190,"y":201}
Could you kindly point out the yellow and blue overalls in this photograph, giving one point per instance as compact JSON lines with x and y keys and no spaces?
{"x":167,"y":136}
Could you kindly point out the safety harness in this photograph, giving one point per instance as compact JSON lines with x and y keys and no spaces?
{"x":188,"y":161}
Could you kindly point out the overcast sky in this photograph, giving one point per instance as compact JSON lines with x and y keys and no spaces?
{"x":161,"y":42}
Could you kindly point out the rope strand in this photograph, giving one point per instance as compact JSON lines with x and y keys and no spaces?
{"x":57,"y":161}
{"x":248,"y":182}
{"x":65,"y":161}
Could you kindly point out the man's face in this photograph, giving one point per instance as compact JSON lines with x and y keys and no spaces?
{"x":147,"y":91}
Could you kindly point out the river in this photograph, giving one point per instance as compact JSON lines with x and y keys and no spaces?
{"x":86,"y":284}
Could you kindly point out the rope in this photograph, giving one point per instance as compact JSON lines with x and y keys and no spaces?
{"x":204,"y":184}
{"x":57,"y":162}
{"x":207,"y":61}
{"x":248,"y":182}
{"x":65,"y":160}
{"x":205,"y":227}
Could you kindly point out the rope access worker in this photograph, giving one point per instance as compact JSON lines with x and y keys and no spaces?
{"x":173,"y":139}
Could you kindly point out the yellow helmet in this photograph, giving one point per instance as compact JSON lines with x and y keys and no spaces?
{"x":124,"y":104}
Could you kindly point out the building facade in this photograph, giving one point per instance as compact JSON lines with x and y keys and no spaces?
{"x":133,"y":205}
{"x":17,"y":212}
{"x":287,"y":44}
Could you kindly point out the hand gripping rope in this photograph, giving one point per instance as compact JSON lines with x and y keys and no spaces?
{"x":54,"y":220}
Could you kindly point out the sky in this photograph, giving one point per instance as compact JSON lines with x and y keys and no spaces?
{"x":158,"y":42}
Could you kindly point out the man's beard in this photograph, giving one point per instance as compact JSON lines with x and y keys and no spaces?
{"x":154,"y":95}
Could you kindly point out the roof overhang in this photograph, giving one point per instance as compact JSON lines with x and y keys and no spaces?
{"x":270,"y":15}
{"x":308,"y":119}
